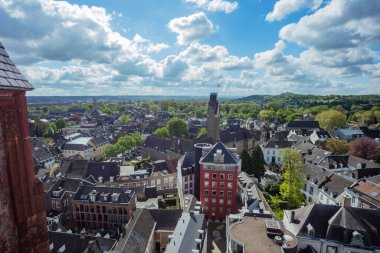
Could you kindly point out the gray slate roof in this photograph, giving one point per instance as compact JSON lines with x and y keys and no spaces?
{"x":228,"y":157}
{"x":10,"y":76}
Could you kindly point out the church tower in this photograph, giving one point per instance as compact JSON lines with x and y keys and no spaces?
{"x":213,"y":118}
{"x":23,"y":225}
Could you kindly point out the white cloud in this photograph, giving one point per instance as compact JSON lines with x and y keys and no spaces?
{"x":191,"y":28}
{"x":340,"y":24}
{"x":283,"y":8}
{"x":216,"y":5}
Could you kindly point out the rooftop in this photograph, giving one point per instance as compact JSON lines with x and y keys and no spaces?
{"x":251,"y":232}
{"x":10,"y":76}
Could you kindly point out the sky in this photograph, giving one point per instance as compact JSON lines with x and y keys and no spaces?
{"x":194,"y":47}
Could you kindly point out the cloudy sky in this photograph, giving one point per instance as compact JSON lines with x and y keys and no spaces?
{"x":188,"y":47}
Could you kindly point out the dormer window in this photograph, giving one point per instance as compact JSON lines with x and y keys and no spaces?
{"x":219,"y":156}
{"x":310,"y":230}
{"x":357,"y":239}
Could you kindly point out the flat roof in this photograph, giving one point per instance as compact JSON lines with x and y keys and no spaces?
{"x":251,"y":232}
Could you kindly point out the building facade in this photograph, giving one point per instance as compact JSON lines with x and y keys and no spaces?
{"x":103,"y":207}
{"x":219,"y":169}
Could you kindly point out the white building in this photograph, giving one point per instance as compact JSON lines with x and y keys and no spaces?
{"x":271,"y":151}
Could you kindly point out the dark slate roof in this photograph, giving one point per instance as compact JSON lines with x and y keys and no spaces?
{"x":160,"y":166}
{"x":84,"y":191}
{"x":187,"y":160}
{"x":75,"y":168}
{"x":334,"y":161}
{"x":100,"y":140}
{"x":41,"y":154}
{"x":67,"y":184}
{"x":333,"y":184}
{"x":371,"y":133}
{"x":303,"y":124}
{"x":103,"y":169}
{"x":166,"y":218}
{"x":187,"y":163}
{"x":74,"y":146}
{"x":74,"y":244}
{"x":332,"y":222}
{"x":278,"y":144}
{"x":228,"y":157}
{"x":242,"y":134}
{"x":10,"y":76}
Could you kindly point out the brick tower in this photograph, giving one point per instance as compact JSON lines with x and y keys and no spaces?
{"x":213,"y":118}
{"x":23,"y":225}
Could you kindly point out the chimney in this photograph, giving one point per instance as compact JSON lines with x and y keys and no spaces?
{"x":346,"y":202}
{"x":292,"y":218}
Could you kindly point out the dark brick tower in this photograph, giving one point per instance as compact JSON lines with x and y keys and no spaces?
{"x":213,"y":118}
{"x":23,"y":225}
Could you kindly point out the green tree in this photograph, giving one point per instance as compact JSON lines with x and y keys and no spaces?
{"x":202,"y":131}
{"x":110,"y":151}
{"x":60,"y":123}
{"x":138,"y":139}
{"x":177,"y":127}
{"x":246,"y":162}
{"x":162,"y":132}
{"x":257,"y":162}
{"x":337,"y":146}
{"x":39,"y":127}
{"x":292,"y":177}
{"x":266,"y":113}
{"x":331,"y":119}
{"x":124,"y":118}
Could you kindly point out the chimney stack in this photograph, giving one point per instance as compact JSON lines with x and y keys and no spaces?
{"x":292,"y":218}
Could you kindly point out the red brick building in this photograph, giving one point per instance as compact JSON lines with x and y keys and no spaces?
{"x":219,"y":169}
{"x":23,"y":225}
{"x":103,"y":207}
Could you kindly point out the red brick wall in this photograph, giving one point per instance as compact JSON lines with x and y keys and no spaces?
{"x":209,"y":205}
{"x":23,"y":225}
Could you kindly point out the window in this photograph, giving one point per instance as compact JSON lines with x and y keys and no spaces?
{"x":221,"y":193}
{"x":207,"y":175}
{"x":222,"y":176}
{"x":206,"y":183}
{"x":213,"y":176}
{"x":191,"y":177}
{"x":221,"y":209}
{"x":206,"y":193}
{"x":267,"y":152}
{"x":229,"y":194}
{"x":353,"y":200}
{"x":332,"y":249}
{"x":214,"y":184}
{"x":221,"y":184}
{"x":214,"y":201}
{"x":230,"y":176}
{"x":213,"y":193}
{"x":229,"y":202}
{"x":206,"y":200}
{"x":229,"y":185}
{"x":221,"y":201}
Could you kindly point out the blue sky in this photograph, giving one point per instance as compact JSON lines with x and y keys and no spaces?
{"x":186,"y":47}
